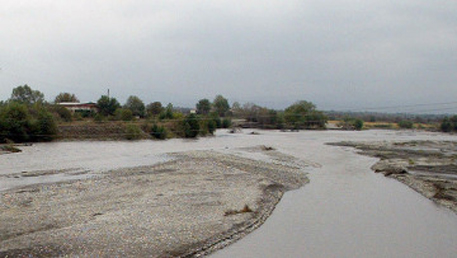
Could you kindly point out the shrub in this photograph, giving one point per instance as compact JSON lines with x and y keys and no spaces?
{"x":211,"y":126}
{"x":446,"y":125}
{"x":158,"y":132}
{"x":21,"y":123}
{"x":217,"y":120}
{"x":124,"y":114}
{"x":226,"y":123}
{"x":44,"y":127}
{"x":133,"y":132}
{"x":85,"y":113}
{"x":406,"y":124}
{"x":191,"y":126}
{"x":14,"y":122}
{"x":99,"y":118}
{"x":63,"y":113}
{"x":303,"y":114}
{"x":358,"y":124}
{"x":350,"y":123}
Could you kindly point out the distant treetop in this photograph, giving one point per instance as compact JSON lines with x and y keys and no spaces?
{"x":25,"y":95}
{"x":66,"y":97}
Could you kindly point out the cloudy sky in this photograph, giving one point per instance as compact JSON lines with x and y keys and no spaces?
{"x":377,"y":55}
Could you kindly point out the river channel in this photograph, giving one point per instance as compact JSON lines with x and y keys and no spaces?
{"x":345,"y":211}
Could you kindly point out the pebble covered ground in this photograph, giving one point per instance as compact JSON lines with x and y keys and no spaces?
{"x":186,"y":207}
{"x":428,"y":167}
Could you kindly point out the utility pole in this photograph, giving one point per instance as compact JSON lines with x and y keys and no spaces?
{"x":108,"y":93}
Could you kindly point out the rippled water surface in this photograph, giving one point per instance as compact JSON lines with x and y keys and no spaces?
{"x":345,"y":211}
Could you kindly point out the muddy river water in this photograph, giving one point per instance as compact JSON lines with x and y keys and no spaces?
{"x":345,"y":211}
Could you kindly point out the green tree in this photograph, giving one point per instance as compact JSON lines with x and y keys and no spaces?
{"x":25,"y":94}
{"x":20,"y":122}
{"x":167,"y":113}
{"x":158,"y":132}
{"x":446,"y":125}
{"x":226,"y":122}
{"x":191,"y":126}
{"x":221,"y":105}
{"x":351,"y":123}
{"x":136,"y":105}
{"x":63,"y":113}
{"x":303,"y":114}
{"x":358,"y":124}
{"x":123,"y":114}
{"x":449,"y":124}
{"x":203,"y":107}
{"x":44,"y":127}
{"x":66,"y":97}
{"x":107,"y":106}
{"x":154,"y":108}
{"x":14,"y":122}
{"x":211,"y":124}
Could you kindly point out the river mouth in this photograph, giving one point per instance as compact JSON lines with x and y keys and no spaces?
{"x":345,"y":211}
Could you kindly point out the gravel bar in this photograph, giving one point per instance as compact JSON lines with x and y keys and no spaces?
{"x":195,"y":204}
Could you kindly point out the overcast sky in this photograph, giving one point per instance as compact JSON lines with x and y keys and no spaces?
{"x":347,"y":54}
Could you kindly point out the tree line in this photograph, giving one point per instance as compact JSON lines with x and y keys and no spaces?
{"x":26,"y":116}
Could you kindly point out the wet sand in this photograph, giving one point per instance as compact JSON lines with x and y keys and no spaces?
{"x":187,"y":207}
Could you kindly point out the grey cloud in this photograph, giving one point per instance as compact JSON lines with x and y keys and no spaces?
{"x":338,"y":54}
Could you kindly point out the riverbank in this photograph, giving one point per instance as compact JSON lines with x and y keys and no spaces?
{"x":195,"y":204}
{"x":428,"y":167}
{"x":8,"y":148}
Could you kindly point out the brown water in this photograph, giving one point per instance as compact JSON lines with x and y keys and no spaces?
{"x":345,"y":211}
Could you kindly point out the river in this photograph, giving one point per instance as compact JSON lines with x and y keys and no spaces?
{"x":345,"y":211}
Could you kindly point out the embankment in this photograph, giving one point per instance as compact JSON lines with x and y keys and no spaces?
{"x":93,"y":131}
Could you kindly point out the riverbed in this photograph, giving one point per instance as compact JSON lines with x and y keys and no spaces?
{"x":345,"y":211}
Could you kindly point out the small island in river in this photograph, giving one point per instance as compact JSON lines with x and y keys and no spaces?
{"x":194,"y":204}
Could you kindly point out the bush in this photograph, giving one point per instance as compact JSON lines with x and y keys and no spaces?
{"x":124,"y":114}
{"x":211,"y":126}
{"x":350,"y":123}
{"x":405,"y":124}
{"x":303,"y":114}
{"x":358,"y":124}
{"x":217,"y":120}
{"x":133,"y":132}
{"x":85,"y":113}
{"x":167,"y":113}
{"x":63,"y":113}
{"x":158,"y":132}
{"x":191,"y":126}
{"x":44,"y":127}
{"x":226,"y":123}
{"x":446,"y":125}
{"x":14,"y":122}
{"x":20,"y":123}
{"x":99,"y":118}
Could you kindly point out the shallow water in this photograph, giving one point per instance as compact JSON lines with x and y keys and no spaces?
{"x":349,"y":211}
{"x":345,"y":211}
